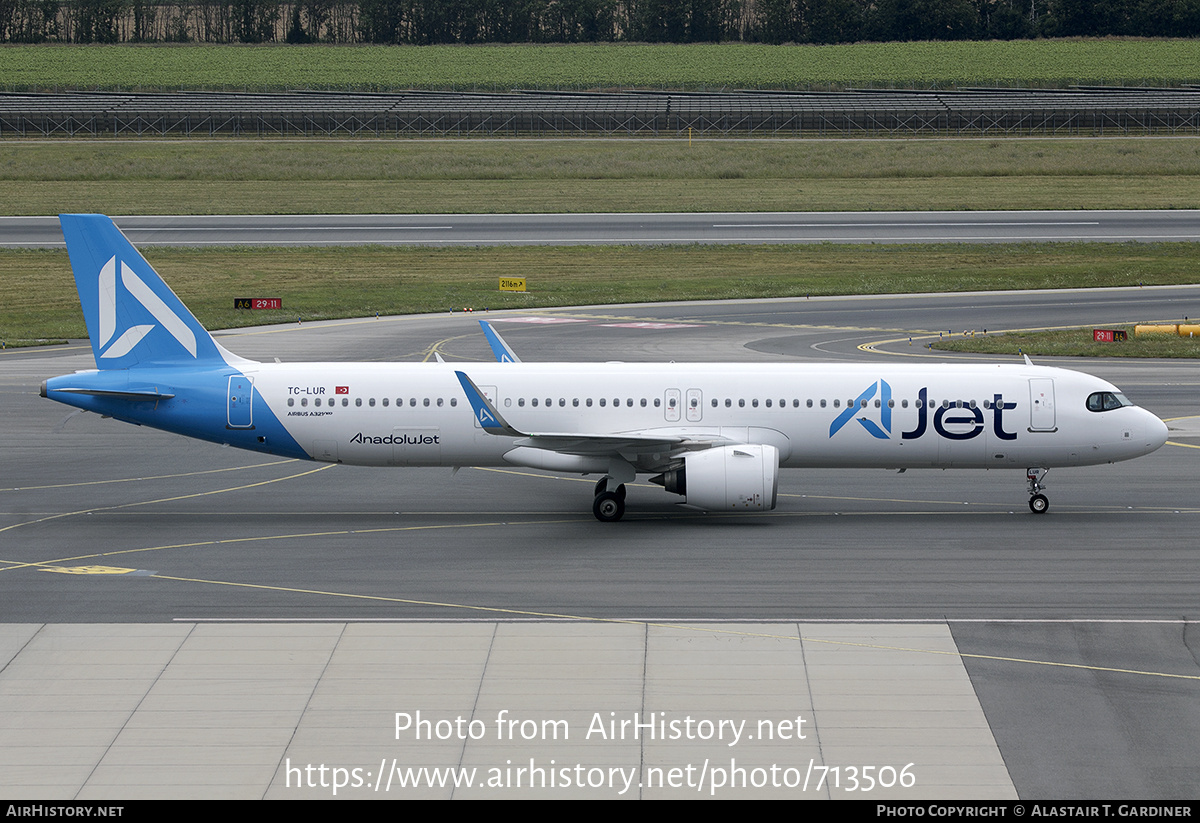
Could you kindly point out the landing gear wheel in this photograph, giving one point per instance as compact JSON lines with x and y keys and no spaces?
{"x":1038,"y":504}
{"x":609,"y":507}
{"x":602,"y":486}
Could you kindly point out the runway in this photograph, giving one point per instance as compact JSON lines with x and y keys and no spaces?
{"x":604,"y":229}
{"x":1071,"y":633}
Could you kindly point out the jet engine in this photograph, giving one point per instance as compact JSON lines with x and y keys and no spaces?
{"x":729,"y":478}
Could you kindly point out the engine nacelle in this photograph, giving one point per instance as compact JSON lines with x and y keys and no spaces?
{"x":730,"y":478}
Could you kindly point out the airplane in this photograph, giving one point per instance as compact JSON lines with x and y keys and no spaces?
{"x":714,"y":434}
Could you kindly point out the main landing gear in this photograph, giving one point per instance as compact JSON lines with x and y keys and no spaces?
{"x":609,"y":506}
{"x":1038,"y":503}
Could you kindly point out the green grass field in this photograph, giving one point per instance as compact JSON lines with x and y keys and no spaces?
{"x":1073,"y":343}
{"x":439,"y":177}
{"x":1044,"y":63}
{"x":409,"y":280}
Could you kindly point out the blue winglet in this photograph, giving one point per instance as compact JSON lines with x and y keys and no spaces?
{"x":486,"y":414}
{"x":503,"y":351}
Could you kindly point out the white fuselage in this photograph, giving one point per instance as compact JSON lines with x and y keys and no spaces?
{"x":835,"y":415}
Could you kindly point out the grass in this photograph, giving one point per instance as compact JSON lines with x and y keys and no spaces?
{"x":446,"y":177}
{"x":413,"y":280}
{"x":1074,"y":343}
{"x":1049,"y":63}
{"x":568,"y":160}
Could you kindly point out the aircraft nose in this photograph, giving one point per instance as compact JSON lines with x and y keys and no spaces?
{"x":1156,"y":433}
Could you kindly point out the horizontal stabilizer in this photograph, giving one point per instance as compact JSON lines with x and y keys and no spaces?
{"x":140,"y":394}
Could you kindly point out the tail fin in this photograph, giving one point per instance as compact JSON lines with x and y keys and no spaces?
{"x":132,"y":317}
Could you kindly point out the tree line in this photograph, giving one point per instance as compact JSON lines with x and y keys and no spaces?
{"x":428,"y":22}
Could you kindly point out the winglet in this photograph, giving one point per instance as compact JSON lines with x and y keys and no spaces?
{"x":503,"y":351}
{"x":485,"y":413}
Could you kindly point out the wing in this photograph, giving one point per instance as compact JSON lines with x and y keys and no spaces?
{"x":650,"y":452}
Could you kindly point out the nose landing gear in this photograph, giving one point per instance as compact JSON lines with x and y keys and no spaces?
{"x":1038,"y":502}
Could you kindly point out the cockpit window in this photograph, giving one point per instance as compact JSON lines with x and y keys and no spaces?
{"x":1103,"y":401}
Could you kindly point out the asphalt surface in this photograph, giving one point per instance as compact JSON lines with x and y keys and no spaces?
{"x":576,"y":229}
{"x":1075,"y":627}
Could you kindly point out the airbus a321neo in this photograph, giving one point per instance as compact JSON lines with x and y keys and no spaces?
{"x":714,"y":434}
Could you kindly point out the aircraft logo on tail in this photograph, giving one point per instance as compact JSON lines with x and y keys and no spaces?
{"x":150,"y":301}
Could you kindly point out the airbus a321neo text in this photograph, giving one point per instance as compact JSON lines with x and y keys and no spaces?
{"x":714,"y":434}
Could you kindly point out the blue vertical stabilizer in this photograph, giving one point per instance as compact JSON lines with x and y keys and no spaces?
{"x":132,"y":317}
